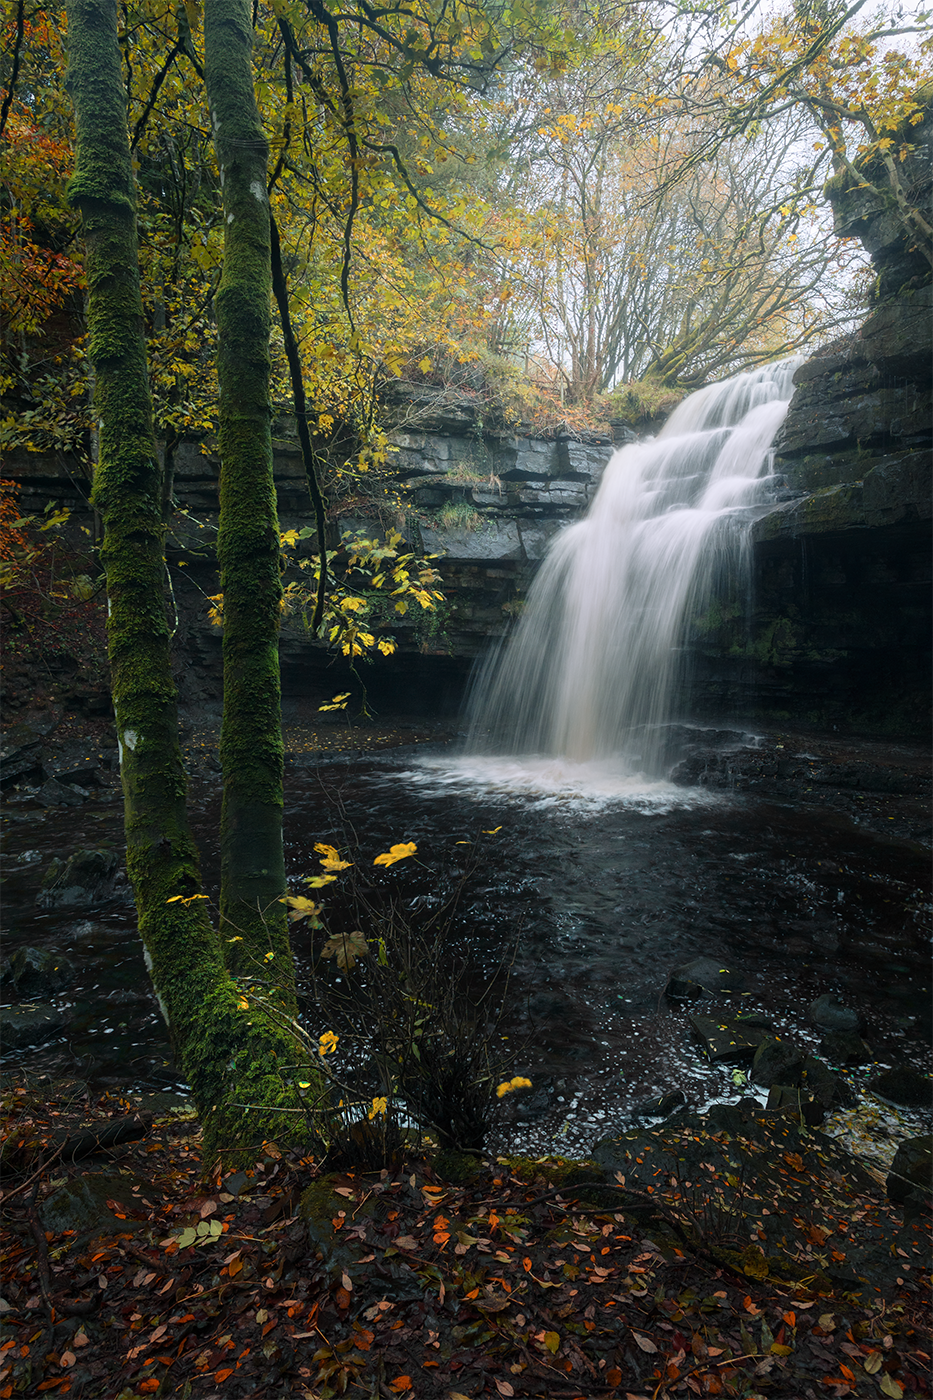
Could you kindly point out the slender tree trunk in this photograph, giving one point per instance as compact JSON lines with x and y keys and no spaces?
{"x":231,"y":1054}
{"x":252,"y":862}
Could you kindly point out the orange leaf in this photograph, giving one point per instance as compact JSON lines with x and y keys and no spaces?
{"x":614,"y":1376}
{"x":150,"y":1384}
{"x":222,"y":1375}
{"x":849,"y":1375}
{"x":400,"y":1383}
{"x":342,"y":1298}
{"x":791,"y":1319}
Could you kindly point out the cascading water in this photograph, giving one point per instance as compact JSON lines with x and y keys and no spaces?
{"x":589,"y":672}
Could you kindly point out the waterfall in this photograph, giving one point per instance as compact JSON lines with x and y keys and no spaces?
{"x":590,"y":670}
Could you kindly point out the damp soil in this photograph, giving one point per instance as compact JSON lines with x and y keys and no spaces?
{"x":800,"y":862}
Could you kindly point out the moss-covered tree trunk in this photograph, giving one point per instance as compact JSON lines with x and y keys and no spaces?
{"x":252,"y":863}
{"x":233,"y":1057}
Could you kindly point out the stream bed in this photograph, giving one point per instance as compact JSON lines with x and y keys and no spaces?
{"x":602,"y":886}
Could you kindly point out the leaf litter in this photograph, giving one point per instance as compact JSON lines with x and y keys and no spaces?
{"x":281,"y":1281}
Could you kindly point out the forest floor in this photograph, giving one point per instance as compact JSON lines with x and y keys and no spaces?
{"x":283,"y":1282}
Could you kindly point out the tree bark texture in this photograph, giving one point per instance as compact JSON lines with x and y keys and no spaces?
{"x":252,"y":861}
{"x":231,"y":1055}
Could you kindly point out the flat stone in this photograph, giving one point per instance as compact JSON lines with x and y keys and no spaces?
{"x":728,"y":1037}
{"x":86,"y":875}
{"x":702,"y":974}
{"x":33,"y":1024}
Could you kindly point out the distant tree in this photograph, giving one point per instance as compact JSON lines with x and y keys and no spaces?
{"x":625,"y":273}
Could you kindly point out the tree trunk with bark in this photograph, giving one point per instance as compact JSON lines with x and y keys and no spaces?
{"x":252,"y":862}
{"x":234,"y":1056}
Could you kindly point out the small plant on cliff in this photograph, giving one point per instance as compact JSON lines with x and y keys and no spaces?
{"x":458,"y":515}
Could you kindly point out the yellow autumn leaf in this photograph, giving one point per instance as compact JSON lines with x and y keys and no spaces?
{"x":327,"y":1043}
{"x":301,"y":908}
{"x":330,"y":857}
{"x":509,"y":1086}
{"x":396,"y":853}
{"x":552,"y":1342}
{"x":380,"y":1105}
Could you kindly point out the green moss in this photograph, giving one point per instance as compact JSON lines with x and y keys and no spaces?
{"x":557,"y":1171}
{"x":251,"y":753}
{"x":459,"y":1168}
{"x":318,"y":1204}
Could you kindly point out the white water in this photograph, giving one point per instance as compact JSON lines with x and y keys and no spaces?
{"x":588,"y":676}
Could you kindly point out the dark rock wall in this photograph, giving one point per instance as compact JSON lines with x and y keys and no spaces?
{"x":839,"y":625}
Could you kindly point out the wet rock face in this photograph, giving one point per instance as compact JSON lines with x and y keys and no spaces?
{"x":862,"y":212}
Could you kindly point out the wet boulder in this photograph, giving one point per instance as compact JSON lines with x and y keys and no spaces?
{"x":661,"y":1107}
{"x":846,"y":1048}
{"x":52,"y":793}
{"x":824,"y":1085}
{"x":86,"y":876}
{"x":701,"y":975}
{"x":36,"y":972}
{"x":829,"y":1013}
{"x":903,"y":1085}
{"x":728,"y":1037}
{"x":31,"y":1024}
{"x":911,"y":1176}
{"x":776,"y":1062}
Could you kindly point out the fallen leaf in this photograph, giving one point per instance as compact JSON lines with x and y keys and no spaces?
{"x":400,"y":1383}
{"x":504,"y":1388}
{"x":889,"y":1386}
{"x":872,"y":1363}
{"x":552,"y":1342}
{"x":645,"y":1343}
{"x":67,"y":1358}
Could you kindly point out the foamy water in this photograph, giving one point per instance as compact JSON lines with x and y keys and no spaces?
{"x":547,"y":782}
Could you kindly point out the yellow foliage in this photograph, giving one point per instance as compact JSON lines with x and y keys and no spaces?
{"x":396,"y":853}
